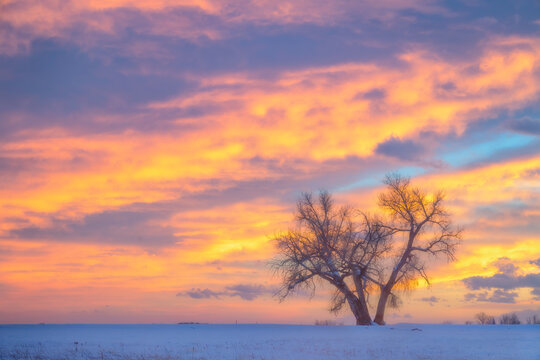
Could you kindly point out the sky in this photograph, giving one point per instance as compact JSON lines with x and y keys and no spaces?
{"x":149,"y":150}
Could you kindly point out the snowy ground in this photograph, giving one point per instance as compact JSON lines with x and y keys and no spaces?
{"x":281,"y":342}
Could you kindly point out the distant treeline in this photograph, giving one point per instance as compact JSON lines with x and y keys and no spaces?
{"x":505,"y":319}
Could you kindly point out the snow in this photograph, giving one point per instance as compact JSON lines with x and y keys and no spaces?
{"x":237,"y":342}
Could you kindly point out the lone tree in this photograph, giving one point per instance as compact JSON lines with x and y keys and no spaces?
{"x":358,"y":254}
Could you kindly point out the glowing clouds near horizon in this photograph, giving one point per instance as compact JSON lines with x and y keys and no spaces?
{"x":148,"y":153}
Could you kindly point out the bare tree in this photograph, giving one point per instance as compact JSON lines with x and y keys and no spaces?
{"x":485,"y":319}
{"x":427,"y":231}
{"x":339,"y":246}
{"x":509,"y":319}
{"x":359,"y":254}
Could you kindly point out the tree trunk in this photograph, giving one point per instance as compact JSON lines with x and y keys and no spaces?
{"x":360,"y":311}
{"x":386,"y":290}
{"x":381,"y":306}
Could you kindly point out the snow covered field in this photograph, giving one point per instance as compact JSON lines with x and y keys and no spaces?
{"x":282,"y":342}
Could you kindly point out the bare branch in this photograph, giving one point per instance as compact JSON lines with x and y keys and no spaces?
{"x":425,"y":224}
{"x":338,"y":245}
{"x":358,"y":253}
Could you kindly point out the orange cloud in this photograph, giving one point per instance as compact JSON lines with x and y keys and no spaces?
{"x":267,"y":130}
{"x":330,"y":107}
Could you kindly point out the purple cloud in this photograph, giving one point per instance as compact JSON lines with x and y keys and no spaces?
{"x":247,"y":292}
{"x":400,"y":149}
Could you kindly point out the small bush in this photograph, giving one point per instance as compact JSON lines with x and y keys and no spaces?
{"x":327,"y":323}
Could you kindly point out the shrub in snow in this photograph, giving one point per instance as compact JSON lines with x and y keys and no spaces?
{"x":328,"y":323}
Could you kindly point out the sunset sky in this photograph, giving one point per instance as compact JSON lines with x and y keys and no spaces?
{"x":149,"y":150}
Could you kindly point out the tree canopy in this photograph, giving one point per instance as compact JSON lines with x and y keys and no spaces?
{"x":361,"y":255}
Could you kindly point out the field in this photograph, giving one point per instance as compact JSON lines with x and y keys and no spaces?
{"x":239,"y":342}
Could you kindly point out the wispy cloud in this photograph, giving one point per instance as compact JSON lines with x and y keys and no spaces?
{"x":88,"y":22}
{"x":498,"y":296}
{"x":506,"y":279}
{"x":151,"y":146}
{"x":244,"y":291}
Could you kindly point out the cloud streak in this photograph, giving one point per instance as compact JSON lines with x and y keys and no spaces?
{"x":246,"y":292}
{"x":22,"y":22}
